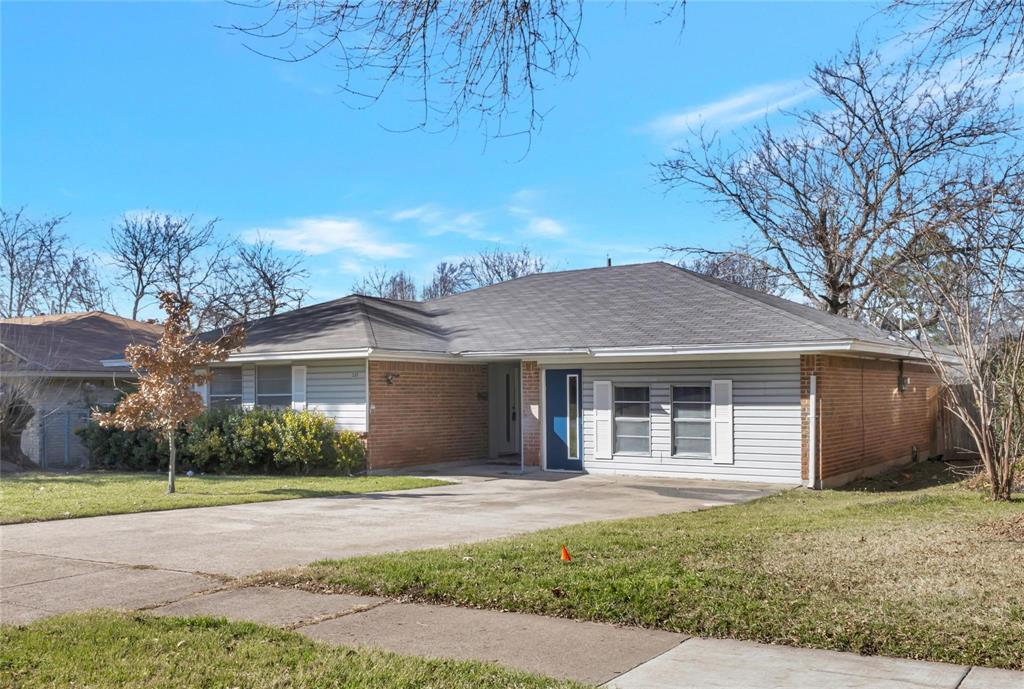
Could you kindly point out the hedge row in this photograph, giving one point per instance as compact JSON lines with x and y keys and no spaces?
{"x":263,"y":441}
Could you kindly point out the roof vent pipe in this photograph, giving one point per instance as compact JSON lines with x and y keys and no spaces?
{"x":609,"y":261}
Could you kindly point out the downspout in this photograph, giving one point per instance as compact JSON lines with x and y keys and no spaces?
{"x":813,"y":470}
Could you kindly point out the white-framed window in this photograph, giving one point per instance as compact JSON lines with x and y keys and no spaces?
{"x":632,"y":415}
{"x":226,"y":387}
{"x":691,"y":420}
{"x":274,"y":386}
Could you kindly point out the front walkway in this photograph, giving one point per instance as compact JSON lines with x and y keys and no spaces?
{"x":622,"y":657}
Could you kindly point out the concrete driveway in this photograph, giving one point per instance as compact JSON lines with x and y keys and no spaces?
{"x":147,"y":559}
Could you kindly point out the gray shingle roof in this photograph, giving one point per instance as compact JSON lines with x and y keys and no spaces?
{"x":640,"y":305}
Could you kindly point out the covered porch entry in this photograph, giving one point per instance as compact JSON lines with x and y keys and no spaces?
{"x":504,"y":402}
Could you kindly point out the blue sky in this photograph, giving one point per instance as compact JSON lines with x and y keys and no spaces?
{"x":114,"y":107}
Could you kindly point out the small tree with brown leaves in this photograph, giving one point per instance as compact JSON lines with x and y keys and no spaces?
{"x":166,"y":399}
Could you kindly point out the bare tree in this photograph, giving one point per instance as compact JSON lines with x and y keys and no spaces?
{"x":825,"y":200}
{"x":257,"y":282}
{"x":161,"y":252}
{"x":192,"y":259}
{"x":39,"y":273}
{"x":448,"y":279}
{"x":977,"y":283}
{"x":738,"y":267}
{"x":383,"y":283}
{"x":138,"y":253}
{"x":73,"y":282}
{"x":498,"y":265}
{"x":487,"y":57}
{"x":987,"y":33}
{"x":25,"y":249}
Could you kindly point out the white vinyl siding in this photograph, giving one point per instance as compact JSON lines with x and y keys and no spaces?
{"x":337,"y":389}
{"x":765,"y":414}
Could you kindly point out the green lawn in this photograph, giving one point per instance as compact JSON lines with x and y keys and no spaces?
{"x":40,"y":497}
{"x":920,"y":572}
{"x":137,"y":651}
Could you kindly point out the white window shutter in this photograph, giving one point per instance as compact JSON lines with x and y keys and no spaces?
{"x":721,"y":422}
{"x":298,"y":388}
{"x":248,"y":387}
{"x":204,"y":392}
{"x":602,"y":419}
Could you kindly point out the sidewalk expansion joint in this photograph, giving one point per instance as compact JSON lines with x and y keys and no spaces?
{"x":292,"y":626}
{"x":960,"y":681}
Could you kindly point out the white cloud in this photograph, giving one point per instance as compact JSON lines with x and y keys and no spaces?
{"x":545,"y":227}
{"x":737,"y":108}
{"x":428,"y":212}
{"x":316,"y":236}
{"x":436,"y":220}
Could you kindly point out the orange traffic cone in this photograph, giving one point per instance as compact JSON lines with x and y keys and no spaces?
{"x":566,"y":557}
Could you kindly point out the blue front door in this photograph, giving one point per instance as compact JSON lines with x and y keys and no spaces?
{"x":564,"y":426}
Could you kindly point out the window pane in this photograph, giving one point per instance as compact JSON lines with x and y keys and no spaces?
{"x":686,"y":393}
{"x":273,"y":380}
{"x":690,"y":429}
{"x":696,"y":446}
{"x":226,"y":381}
{"x":226,"y":401}
{"x":691,"y":411}
{"x":641,"y":428}
{"x":632,"y":394}
{"x":638,"y":445}
{"x":640,"y":410}
{"x":274,"y":401}
{"x":572,"y":386}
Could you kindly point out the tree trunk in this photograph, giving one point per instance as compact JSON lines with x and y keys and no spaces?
{"x":170,"y":466}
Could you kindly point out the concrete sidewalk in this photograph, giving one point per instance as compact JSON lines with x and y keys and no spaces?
{"x":620,"y":657}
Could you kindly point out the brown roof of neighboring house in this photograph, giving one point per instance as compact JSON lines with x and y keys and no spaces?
{"x":72,"y":342}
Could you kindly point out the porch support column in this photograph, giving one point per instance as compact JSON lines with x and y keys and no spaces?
{"x":530,"y":406}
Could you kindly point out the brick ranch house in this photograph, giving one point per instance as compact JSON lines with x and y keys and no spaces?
{"x":641,"y":369}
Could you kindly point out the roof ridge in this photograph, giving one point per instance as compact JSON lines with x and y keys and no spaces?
{"x":720,"y":284}
{"x":371,"y":336}
{"x":543,"y":273}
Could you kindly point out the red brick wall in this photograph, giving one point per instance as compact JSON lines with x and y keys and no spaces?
{"x":864,"y":422}
{"x":531,"y":413}
{"x":430,"y":413}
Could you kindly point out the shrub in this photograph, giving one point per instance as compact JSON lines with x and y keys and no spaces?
{"x":307,"y":442}
{"x":207,"y":445}
{"x":111,"y":448}
{"x":235,"y":441}
{"x":350,"y":451}
{"x":254,"y":439}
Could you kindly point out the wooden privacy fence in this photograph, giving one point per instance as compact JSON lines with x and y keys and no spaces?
{"x":953,"y":440}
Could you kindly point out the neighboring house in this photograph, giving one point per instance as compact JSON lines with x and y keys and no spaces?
{"x":638,"y":369}
{"x":62,"y":358}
